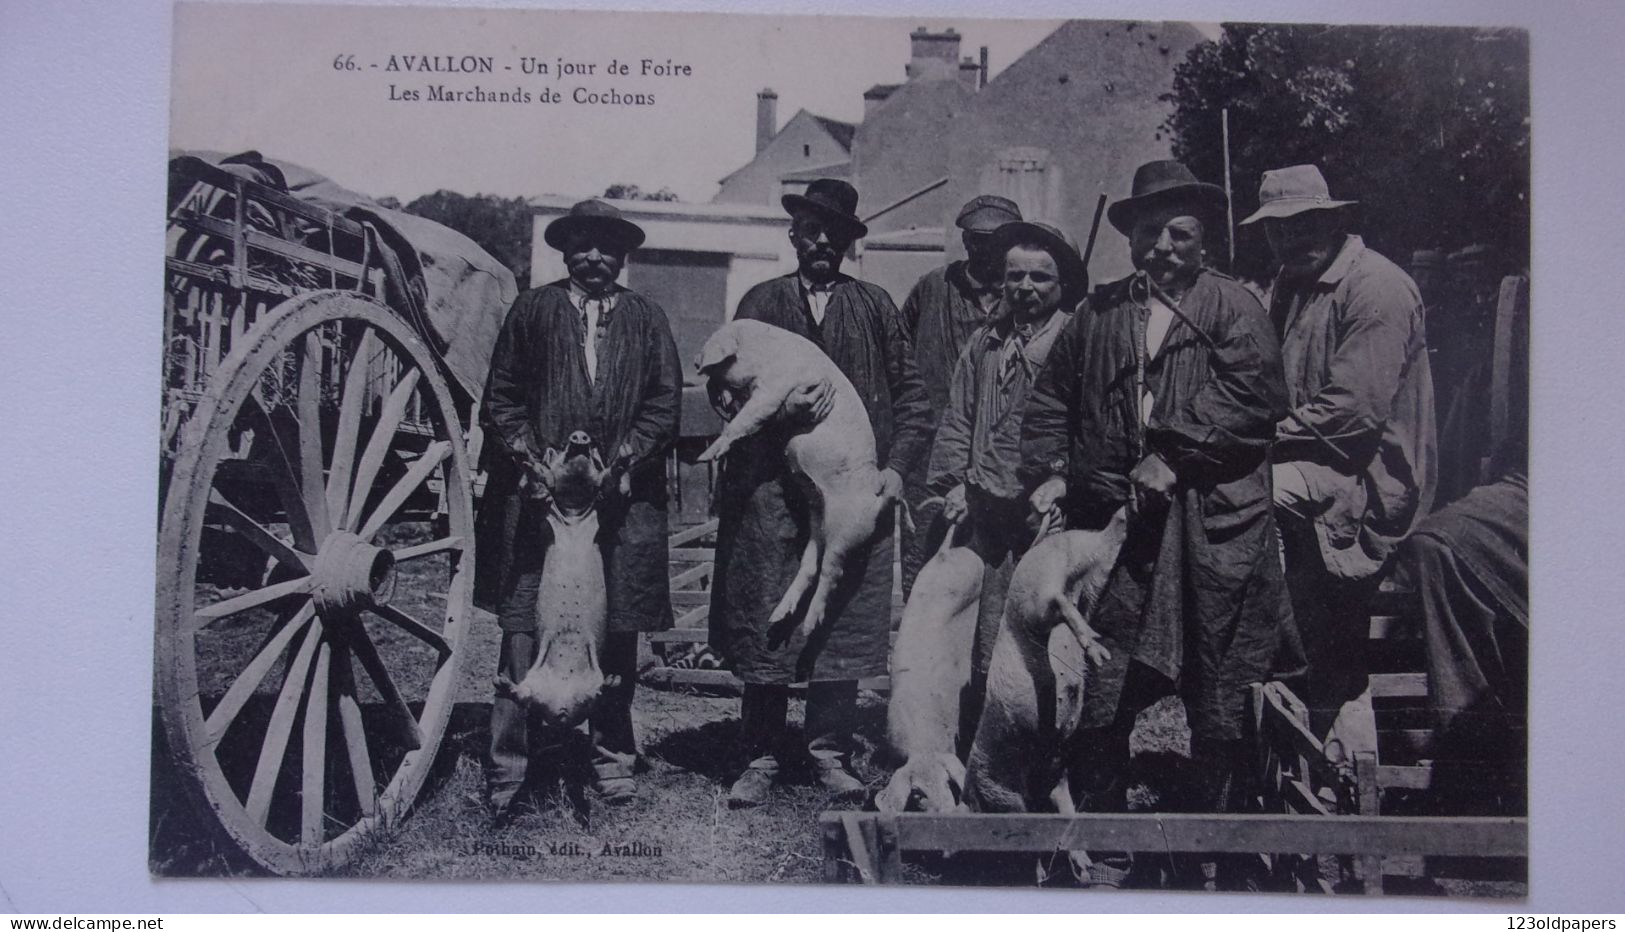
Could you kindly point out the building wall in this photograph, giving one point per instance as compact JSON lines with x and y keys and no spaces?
{"x":900,"y":148}
{"x":803,"y":143}
{"x":1084,"y":105}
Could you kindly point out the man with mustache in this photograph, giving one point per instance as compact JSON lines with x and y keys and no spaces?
{"x":977,"y":450}
{"x":1162,"y":395}
{"x":1355,"y":464}
{"x":946,"y":305}
{"x":581,"y":354}
{"x":763,"y":508}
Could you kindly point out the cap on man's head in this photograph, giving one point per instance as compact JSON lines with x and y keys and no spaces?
{"x":1287,"y":192}
{"x":832,"y":200}
{"x":985,"y":213}
{"x":594,"y":216}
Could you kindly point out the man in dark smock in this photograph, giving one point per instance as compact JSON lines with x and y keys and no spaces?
{"x":945,"y":307}
{"x":1356,"y":464}
{"x":581,"y":354}
{"x":1133,"y":403}
{"x":763,"y":508}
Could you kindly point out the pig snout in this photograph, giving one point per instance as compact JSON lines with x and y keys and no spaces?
{"x":564,"y":683}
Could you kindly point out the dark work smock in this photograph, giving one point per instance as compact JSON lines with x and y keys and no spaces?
{"x":537,"y":395}
{"x":762,"y":507}
{"x":1198,"y":593}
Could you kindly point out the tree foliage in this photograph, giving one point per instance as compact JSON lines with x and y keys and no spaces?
{"x":631,"y":192}
{"x":1427,"y":127}
{"x":501,"y":226}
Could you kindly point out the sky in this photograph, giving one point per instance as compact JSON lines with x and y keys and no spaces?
{"x":276,"y":78}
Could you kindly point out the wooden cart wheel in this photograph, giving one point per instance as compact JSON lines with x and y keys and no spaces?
{"x":304,"y":713}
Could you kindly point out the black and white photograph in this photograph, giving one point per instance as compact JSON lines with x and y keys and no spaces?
{"x":775,"y":449}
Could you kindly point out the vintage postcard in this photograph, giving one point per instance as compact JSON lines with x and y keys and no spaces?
{"x":783,"y":449}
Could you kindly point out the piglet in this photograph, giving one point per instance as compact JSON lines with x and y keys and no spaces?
{"x":757,"y":366}
{"x":1036,"y":674}
{"x":571,"y":606}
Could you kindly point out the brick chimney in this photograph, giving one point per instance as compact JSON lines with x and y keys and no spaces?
{"x":767,"y":117}
{"x":932,"y":55}
{"x":970,"y":74}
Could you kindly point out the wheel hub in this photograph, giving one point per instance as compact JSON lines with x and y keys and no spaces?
{"x":352,"y":574}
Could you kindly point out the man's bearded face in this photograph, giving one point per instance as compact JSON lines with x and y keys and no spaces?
{"x":593,"y":261}
{"x":820,"y":245}
{"x":1304,"y":243}
{"x":1167,"y":244}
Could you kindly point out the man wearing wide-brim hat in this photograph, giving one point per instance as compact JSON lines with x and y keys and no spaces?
{"x":580,"y":354}
{"x":945,"y":306}
{"x":763,"y":511}
{"x":1161,"y":396}
{"x":976,"y":455}
{"x":1355,"y":464}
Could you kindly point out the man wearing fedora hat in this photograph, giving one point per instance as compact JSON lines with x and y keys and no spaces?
{"x":1354,"y":463}
{"x":1162,"y":396}
{"x":581,"y":354}
{"x":945,"y":306}
{"x":763,"y":512}
{"x":977,"y":450}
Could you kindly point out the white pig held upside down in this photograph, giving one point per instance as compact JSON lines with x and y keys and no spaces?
{"x":761,"y":365}
{"x":572,"y":609}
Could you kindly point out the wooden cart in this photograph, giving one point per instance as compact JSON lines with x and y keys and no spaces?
{"x":315,"y":556}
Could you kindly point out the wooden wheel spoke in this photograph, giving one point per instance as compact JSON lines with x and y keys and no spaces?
{"x":226,"y":710}
{"x":349,"y":427}
{"x":355,"y":735}
{"x":277,"y":732}
{"x":415,"y":476}
{"x":274,"y":546}
{"x":383,"y":435}
{"x":311,"y":482}
{"x":365,"y":652}
{"x":413,"y":627}
{"x":286,"y":477}
{"x":432,"y":547}
{"x":254,"y":599}
{"x":313,"y":757}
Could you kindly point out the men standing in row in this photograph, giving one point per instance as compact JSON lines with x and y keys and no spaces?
{"x":977,"y":453}
{"x":1355,"y":462}
{"x":945,"y":307}
{"x":764,"y":518}
{"x":582,"y":354}
{"x":1162,"y":396}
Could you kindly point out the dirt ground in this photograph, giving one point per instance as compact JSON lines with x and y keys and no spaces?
{"x":680,"y":827}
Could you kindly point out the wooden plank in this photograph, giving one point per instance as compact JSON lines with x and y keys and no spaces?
{"x":1390,"y":777}
{"x":203,"y":171}
{"x":693,"y":575}
{"x":1294,"y":738}
{"x":834,"y":835}
{"x":1393,"y":627}
{"x":1365,"y":777}
{"x":690,"y":598}
{"x":694,"y":616}
{"x":888,"y":853}
{"x":1301,"y":798}
{"x":1399,"y":685}
{"x":697,"y":532}
{"x":723,"y":679}
{"x":681,"y":635}
{"x":859,"y":842}
{"x":1192,"y":832}
{"x":692,"y":554}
